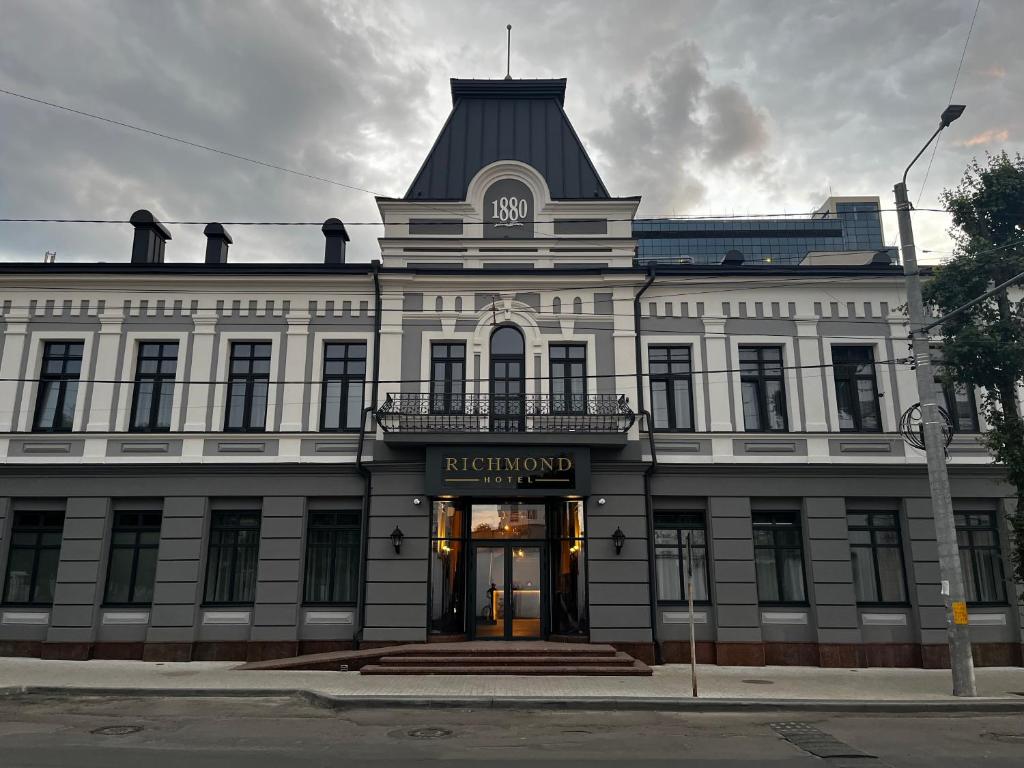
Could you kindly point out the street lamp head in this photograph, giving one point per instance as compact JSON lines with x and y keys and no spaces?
{"x":951,"y":113}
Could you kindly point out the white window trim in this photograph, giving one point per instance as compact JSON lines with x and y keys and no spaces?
{"x":276,"y":341}
{"x":693,"y":341}
{"x":35,"y":368}
{"x":320,"y":340}
{"x":129,"y":367}
{"x":790,"y":374}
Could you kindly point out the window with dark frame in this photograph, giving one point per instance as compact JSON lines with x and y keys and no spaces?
{"x":568,"y":368}
{"x":779,"y":558}
{"x":131,"y":571}
{"x":670,"y":532}
{"x":58,"y":386}
{"x":332,"y":557}
{"x":671,"y":388}
{"x":33,"y":557}
{"x":981,"y":559}
{"x":344,"y":375}
{"x":876,"y":555}
{"x":856,"y":389}
{"x":248,"y":386}
{"x":959,"y":402}
{"x":232,"y":558}
{"x":447,"y":377}
{"x":154,"y":386}
{"x":763,"y":389}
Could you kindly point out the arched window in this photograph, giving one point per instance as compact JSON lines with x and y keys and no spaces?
{"x":556,"y":306}
{"x":439,"y":304}
{"x":507,"y":340}
{"x":577,"y":306}
{"x":458,"y":303}
{"x":508,"y":380}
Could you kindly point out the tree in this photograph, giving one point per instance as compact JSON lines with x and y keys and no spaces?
{"x":984,"y":347}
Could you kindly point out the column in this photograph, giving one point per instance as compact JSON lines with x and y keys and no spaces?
{"x":101,"y":409}
{"x":275,"y":623}
{"x":716,"y":385}
{"x":77,"y":594}
{"x":292,"y":400}
{"x":830,"y":579}
{"x":172,"y":621}
{"x":737,"y":613}
{"x":197,"y":413}
{"x":816,"y":400}
{"x":15,"y":334}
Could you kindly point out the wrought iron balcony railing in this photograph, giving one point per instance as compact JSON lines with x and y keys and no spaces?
{"x":417,"y":412}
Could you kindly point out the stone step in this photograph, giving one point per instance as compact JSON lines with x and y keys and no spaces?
{"x":502,"y":651}
{"x":637,"y":669}
{"x":504,"y":660}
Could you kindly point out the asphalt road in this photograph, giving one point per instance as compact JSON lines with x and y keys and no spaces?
{"x":97,"y":732}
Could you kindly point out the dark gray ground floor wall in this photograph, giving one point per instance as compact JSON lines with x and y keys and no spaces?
{"x":732,"y":628}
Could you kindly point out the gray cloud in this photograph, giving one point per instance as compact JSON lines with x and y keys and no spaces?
{"x":733,"y":106}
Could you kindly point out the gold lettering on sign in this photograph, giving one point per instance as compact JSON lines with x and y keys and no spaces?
{"x":478,"y":464}
{"x":512,"y":465}
{"x":451,"y":463}
{"x":529,"y":464}
{"x":564,"y":464}
{"x":547,"y":464}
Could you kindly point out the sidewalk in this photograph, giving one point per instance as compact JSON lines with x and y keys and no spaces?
{"x":999,"y":688}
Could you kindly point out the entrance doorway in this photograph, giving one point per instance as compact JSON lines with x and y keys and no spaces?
{"x":507,"y":591}
{"x":508,"y":569}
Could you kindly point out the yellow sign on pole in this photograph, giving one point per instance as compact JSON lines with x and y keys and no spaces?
{"x":960,"y":612}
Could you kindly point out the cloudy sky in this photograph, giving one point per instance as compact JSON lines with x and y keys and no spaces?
{"x":700,"y":107}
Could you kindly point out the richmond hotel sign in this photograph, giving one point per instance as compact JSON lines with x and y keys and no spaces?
{"x":490,"y":471}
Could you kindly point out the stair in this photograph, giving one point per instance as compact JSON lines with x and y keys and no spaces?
{"x":470,"y":658}
{"x":517,"y":662}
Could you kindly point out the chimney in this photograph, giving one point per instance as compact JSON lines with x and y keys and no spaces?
{"x":150,"y":236}
{"x":217,"y":242}
{"x":336,"y":236}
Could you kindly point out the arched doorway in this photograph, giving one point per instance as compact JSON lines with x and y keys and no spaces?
{"x":508,"y":380}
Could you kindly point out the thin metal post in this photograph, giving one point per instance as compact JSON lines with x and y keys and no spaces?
{"x":689,"y":602}
{"x":950,"y":573}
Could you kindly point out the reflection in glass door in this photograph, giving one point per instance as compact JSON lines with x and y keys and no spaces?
{"x":490,"y":592}
{"x":507,"y":600}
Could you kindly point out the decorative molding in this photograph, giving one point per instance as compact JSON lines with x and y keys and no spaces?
{"x":126,"y":617}
{"x":35,"y":618}
{"x":683,"y":617}
{"x":346,"y":618}
{"x":779,"y":617}
{"x":225,"y":617}
{"x":883,"y":619}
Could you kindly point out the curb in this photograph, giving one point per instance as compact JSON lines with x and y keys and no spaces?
{"x":583,"y":703}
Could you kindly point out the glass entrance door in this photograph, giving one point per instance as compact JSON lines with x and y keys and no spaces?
{"x":507,"y":591}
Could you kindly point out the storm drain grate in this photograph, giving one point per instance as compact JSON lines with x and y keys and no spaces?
{"x":820,"y":744}
{"x":116,"y":730}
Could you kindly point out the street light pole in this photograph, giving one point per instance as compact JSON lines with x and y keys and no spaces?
{"x":950,"y":573}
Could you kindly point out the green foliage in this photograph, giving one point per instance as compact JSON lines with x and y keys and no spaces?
{"x":984,"y":346}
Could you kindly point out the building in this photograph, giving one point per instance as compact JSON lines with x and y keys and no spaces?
{"x":839,"y":229}
{"x":505,"y":428}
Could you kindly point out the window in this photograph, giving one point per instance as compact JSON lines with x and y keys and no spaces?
{"x":877,"y":557}
{"x":249,"y":381}
{"x":568,"y":570}
{"x":344,"y":373}
{"x":779,"y":557}
{"x":958,"y":401}
{"x":231,"y":566}
{"x":856,"y":389}
{"x":58,"y":386}
{"x":447,"y":377}
{"x":764,"y":390}
{"x":568,"y":378}
{"x":671,"y":388}
{"x":447,"y":568}
{"x":980,"y":559}
{"x":670,"y":532}
{"x":133,"y":552}
{"x":154,"y":386}
{"x":32,"y":561}
{"x":332,"y":557}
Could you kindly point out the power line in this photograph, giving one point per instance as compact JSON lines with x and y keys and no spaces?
{"x":952,"y":90}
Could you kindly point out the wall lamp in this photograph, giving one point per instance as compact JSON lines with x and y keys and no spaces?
{"x":396,"y":539}
{"x":619,"y":540}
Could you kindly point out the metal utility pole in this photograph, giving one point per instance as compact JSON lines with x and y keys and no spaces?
{"x":953,"y":594}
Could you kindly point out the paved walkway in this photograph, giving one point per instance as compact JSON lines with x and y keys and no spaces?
{"x":671,"y":681}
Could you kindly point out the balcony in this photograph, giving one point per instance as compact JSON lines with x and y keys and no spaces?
{"x":411,"y":417}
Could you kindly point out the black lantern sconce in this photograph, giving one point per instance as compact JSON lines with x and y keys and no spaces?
{"x":396,"y":539}
{"x":619,"y":540}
